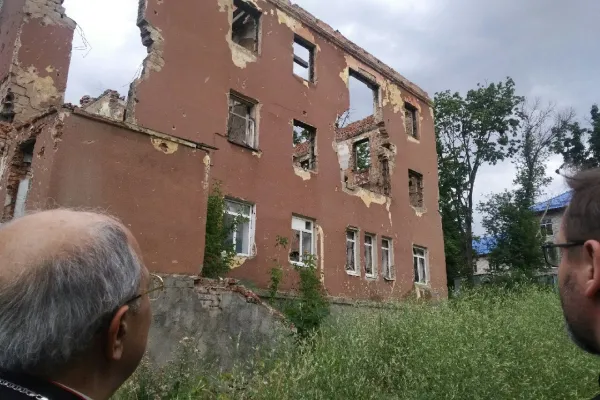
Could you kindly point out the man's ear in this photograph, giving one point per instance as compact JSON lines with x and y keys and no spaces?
{"x":591,"y":255}
{"x":116,"y":334}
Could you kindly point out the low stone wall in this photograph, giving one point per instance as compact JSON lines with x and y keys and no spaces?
{"x":222,"y":321}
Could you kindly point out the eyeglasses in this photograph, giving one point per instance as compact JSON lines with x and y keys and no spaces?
{"x":155,"y":288}
{"x":551,"y":255}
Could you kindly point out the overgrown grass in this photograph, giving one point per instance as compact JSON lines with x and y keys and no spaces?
{"x":486,"y":344}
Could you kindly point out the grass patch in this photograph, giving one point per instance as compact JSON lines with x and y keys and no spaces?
{"x":488,"y":343}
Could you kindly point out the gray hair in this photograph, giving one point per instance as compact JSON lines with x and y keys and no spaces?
{"x":50,"y":313}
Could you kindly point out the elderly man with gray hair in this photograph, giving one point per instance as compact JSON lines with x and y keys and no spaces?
{"x":74,"y":306}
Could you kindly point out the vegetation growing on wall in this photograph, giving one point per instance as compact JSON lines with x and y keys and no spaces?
{"x":219,"y":255}
{"x":310,"y":308}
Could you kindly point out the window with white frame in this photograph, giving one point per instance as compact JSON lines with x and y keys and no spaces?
{"x":387,"y":263}
{"x":240,"y":219}
{"x":546,"y":227}
{"x":370,"y":260}
{"x":241,"y":128}
{"x":420,"y":264}
{"x":352,"y":252}
{"x":303,"y":240}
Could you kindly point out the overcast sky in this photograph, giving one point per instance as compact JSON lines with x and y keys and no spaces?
{"x":549,"y":47}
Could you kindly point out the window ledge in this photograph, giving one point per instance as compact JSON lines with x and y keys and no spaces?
{"x":419,"y":211}
{"x":244,"y":146}
{"x":423,"y":285}
{"x":353,"y":273}
{"x":371,"y":277}
{"x":413,"y":139}
{"x":254,"y":54}
{"x":387,"y":279}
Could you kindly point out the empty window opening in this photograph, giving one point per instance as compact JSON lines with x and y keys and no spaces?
{"x":420,"y":264}
{"x":362,"y":155}
{"x":7,"y":113}
{"x":415,"y":189}
{"x":241,"y":127}
{"x":411,"y":120}
{"x":239,"y":220}
{"x":304,"y":146}
{"x":351,"y":252}
{"x":387,"y":265}
{"x":546,"y":227}
{"x":304,"y":59}
{"x":386,"y":185}
{"x":302,"y":247}
{"x":370,"y":263}
{"x":363,"y":97}
{"x":245,"y":25}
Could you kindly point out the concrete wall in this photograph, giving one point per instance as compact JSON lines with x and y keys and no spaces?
{"x":221,"y":320}
{"x":190,"y":70}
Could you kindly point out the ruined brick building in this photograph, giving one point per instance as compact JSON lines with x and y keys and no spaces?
{"x":256,"y":97}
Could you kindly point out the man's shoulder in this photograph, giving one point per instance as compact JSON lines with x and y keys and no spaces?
{"x":19,"y":386}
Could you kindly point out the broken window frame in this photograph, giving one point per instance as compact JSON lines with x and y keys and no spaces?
{"x":352,"y":244}
{"x":546,"y":227}
{"x":251,"y":131}
{"x":421,"y":265}
{"x":387,"y":259}
{"x":420,"y":191}
{"x":371,"y":84}
{"x":255,"y":14}
{"x":300,"y":228}
{"x":312,"y":158}
{"x":299,"y":61}
{"x":246,"y":220}
{"x":411,"y":120}
{"x":355,"y":149}
{"x":370,"y":252}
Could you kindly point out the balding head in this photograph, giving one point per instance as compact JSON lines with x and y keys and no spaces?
{"x":64,"y":278}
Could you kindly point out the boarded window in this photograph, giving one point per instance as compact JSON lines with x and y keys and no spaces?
{"x":304,"y":59}
{"x":351,"y":252}
{"x":362,"y":155}
{"x":411,"y":120}
{"x":370,"y":263}
{"x":415,"y":188}
{"x":245,"y":25}
{"x":302,"y":245}
{"x":420,"y":264}
{"x":386,"y":259}
{"x":363,"y":97}
{"x":241,"y":127}
{"x":304,"y":138}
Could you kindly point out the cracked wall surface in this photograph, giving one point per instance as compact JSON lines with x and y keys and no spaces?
{"x":197,"y":83}
{"x":35,"y":54}
{"x":143,"y":165}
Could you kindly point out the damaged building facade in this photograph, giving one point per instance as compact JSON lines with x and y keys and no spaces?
{"x":256,"y":97}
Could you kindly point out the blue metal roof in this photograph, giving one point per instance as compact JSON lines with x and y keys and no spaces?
{"x":560,"y":201}
{"x":484,"y":245}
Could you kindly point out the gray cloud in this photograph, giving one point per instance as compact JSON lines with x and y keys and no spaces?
{"x":549,"y":47}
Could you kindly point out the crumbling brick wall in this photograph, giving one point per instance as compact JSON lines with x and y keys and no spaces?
{"x":33,"y":72}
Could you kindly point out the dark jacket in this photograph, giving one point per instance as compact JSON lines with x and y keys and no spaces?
{"x":25,"y":387}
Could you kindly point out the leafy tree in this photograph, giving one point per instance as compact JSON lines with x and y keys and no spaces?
{"x":471,"y":131}
{"x":580,"y":146}
{"x":508,"y":219}
{"x":540,"y":127}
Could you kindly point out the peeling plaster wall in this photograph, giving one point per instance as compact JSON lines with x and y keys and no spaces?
{"x":193,"y":66}
{"x":160,"y":195}
{"x":35,"y":56}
